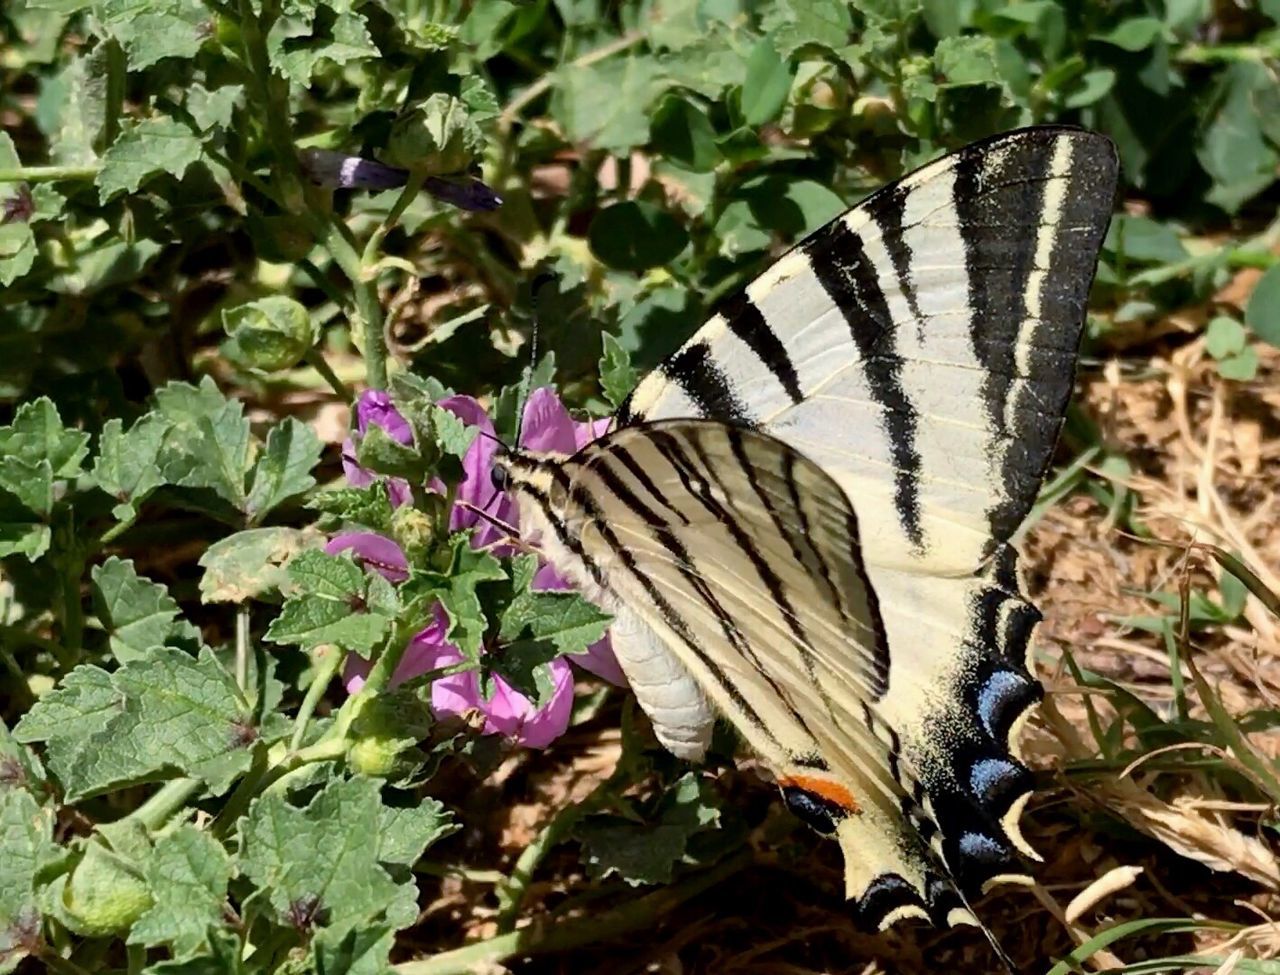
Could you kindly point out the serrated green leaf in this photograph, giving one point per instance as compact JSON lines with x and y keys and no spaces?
{"x":30,"y":483}
{"x":360,"y":951}
{"x":381,"y":453}
{"x":17,"y":251}
{"x":793,"y":24}
{"x":368,"y":507}
{"x":405,"y":832}
{"x":324,"y":856}
{"x":187,"y":872}
{"x":26,"y":843}
{"x":439,"y":138}
{"x":284,"y":467}
{"x":151,"y":147}
{"x":966,"y":60}
{"x":212,"y":109}
{"x":221,"y":957}
{"x":309,"y":33}
{"x":618,"y":123}
{"x":1232,"y":147}
{"x":251,"y":564}
{"x":138,"y":614}
{"x":171,"y":713}
{"x":208,"y":443}
{"x":617,"y":376}
{"x":768,"y":82}
{"x":151,"y":30}
{"x":37,"y":434}
{"x":20,"y":532}
{"x":336,"y":602}
{"x":1262,"y":314}
{"x":648,"y":852}
{"x":563,"y":618}
{"x":456,"y":590}
{"x":127,"y":466}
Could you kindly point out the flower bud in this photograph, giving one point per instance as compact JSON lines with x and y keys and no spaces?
{"x":415,"y":531}
{"x":271,"y":333}
{"x":102,"y":896}
{"x":437,"y":139}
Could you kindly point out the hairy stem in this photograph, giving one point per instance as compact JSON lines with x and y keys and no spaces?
{"x":328,"y":660}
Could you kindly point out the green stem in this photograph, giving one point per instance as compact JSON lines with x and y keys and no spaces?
{"x":321,"y":281}
{"x":171,"y":797}
{"x":21,"y":689}
{"x":337,"y":240}
{"x":246,"y":789}
{"x":47,"y":174}
{"x":537,"y":939}
{"x":136,"y":956}
{"x":407,"y":196}
{"x":328,"y":660}
{"x":274,"y":101}
{"x":62,"y":966}
{"x":455,"y":870}
{"x":242,"y":646}
{"x":321,"y":365}
{"x":116,"y":77}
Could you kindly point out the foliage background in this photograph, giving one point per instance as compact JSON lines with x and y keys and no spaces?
{"x":650,"y":157}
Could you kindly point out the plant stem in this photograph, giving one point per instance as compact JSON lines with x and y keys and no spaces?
{"x":517,"y":104}
{"x":321,"y":365}
{"x":563,"y":935}
{"x":328,"y":660}
{"x":242,"y":646}
{"x":47,"y":174}
{"x":62,"y":966}
{"x":171,"y":797}
{"x":116,"y":76}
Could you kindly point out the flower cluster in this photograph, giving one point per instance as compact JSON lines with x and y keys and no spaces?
{"x":546,"y":426}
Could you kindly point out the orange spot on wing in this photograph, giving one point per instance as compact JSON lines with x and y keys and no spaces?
{"x":827,"y":789}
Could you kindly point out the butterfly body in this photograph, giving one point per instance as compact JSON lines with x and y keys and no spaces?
{"x":802,"y":520}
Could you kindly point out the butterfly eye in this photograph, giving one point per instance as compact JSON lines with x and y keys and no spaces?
{"x":500,"y":477}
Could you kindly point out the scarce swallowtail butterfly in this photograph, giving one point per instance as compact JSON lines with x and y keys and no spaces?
{"x":802,"y":519}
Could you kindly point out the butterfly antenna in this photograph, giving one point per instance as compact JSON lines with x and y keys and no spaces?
{"x":527,"y":380}
{"x":491,"y":519}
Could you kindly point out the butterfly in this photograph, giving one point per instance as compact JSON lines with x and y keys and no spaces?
{"x":803,"y":519}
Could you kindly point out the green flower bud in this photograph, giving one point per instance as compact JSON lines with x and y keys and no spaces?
{"x":271,"y":333}
{"x":437,"y":139}
{"x":414,"y":531}
{"x":102,"y":896}
{"x":385,"y":734}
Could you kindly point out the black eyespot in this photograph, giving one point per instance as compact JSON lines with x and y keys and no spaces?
{"x":500,"y":477}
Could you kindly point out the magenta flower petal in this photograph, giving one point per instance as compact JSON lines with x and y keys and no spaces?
{"x":374,"y":551}
{"x":547,"y":426}
{"x":477,"y":483}
{"x":426,"y":651}
{"x":374,"y":408}
{"x":584,"y":433}
{"x":599,"y":658}
{"x":512,"y":714}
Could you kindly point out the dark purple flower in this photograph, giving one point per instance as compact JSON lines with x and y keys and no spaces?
{"x":374,"y":408}
{"x":463,"y":192}
{"x":340,"y":170}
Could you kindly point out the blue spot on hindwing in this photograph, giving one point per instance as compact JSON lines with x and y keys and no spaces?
{"x":998,"y":691}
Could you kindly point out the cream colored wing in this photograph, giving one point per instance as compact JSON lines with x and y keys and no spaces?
{"x":744,"y":559}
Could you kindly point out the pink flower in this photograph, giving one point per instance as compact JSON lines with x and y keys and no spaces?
{"x":374,"y":408}
{"x":546,"y":427}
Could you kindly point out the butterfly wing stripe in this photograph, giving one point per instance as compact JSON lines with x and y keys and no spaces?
{"x":837,"y":259}
{"x":695,"y":371}
{"x":888,"y":210}
{"x":745,"y":321}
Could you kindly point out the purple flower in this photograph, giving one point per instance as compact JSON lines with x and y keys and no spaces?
{"x":546,"y":427}
{"x":374,"y":407}
{"x":463,"y":192}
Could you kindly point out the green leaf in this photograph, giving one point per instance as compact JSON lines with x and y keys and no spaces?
{"x":356,"y":951}
{"x":139,"y":615}
{"x":212,"y":109}
{"x":767,"y":85}
{"x":336,"y":601}
{"x":323,"y":859}
{"x":20,"y":532}
{"x":37,"y":434}
{"x":1224,"y":337}
{"x":127,"y":466}
{"x":221,"y":957}
{"x":636,"y":235}
{"x":616,"y":124}
{"x":405,"y":832}
{"x":187,"y":873}
{"x":284,"y":467}
{"x":1232,"y":147}
{"x":251,"y":564}
{"x":1144,"y":240}
{"x":563,"y":618}
{"x":26,"y":843}
{"x":368,"y":507}
{"x":208,"y":443}
{"x":1134,"y":34}
{"x":647,"y":852}
{"x":438,"y":138}
{"x":456,"y":590}
{"x":151,"y":30}
{"x":75,"y":102}
{"x":1090,"y":87}
{"x":617,"y":376}
{"x":683,"y":133}
{"x":794,"y":24}
{"x":144,"y":150}
{"x":310,"y":33}
{"x":1262,"y":314}
{"x":1241,"y":367}
{"x":17,"y":251}
{"x":31,"y":484}
{"x":966,"y":60}
{"x":151,"y":719}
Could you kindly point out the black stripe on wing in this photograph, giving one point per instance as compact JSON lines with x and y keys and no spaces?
{"x":746,"y":321}
{"x":1001,"y":200}
{"x":695,"y":370}
{"x":839,"y":262}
